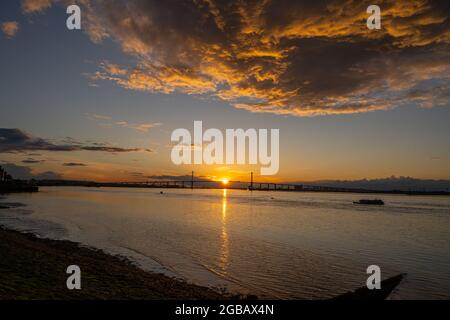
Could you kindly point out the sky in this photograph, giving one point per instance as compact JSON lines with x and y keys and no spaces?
{"x":101,"y":103}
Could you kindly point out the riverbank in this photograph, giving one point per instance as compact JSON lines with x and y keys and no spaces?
{"x":17,"y":186}
{"x":34,"y":268}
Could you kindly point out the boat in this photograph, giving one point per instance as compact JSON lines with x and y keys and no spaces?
{"x":377,"y":202}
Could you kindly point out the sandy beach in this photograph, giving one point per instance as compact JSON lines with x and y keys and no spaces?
{"x":34,"y":268}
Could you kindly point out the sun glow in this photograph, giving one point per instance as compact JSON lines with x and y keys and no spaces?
{"x":225,"y":181}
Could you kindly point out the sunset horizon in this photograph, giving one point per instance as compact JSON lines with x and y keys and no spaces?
{"x":125,"y":92}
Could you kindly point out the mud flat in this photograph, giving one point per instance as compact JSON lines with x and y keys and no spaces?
{"x":35,"y":268}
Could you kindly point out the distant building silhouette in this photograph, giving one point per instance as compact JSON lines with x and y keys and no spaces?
{"x":4,"y":176}
{"x":8,"y":184}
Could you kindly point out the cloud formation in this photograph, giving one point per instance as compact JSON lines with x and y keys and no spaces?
{"x":32,"y":161}
{"x":15,"y":140}
{"x":25,"y":173}
{"x":10,"y":28}
{"x":33,"y":6}
{"x":107,"y":121}
{"x":300,"y":58}
{"x":74,"y":164}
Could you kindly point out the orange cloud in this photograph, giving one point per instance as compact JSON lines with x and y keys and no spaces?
{"x":10,"y":28}
{"x":32,"y":6}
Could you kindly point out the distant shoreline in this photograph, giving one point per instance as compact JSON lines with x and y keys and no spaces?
{"x":17,"y":187}
{"x":35,"y":268}
{"x":92,"y":184}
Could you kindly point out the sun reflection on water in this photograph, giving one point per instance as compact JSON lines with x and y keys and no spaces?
{"x":224,"y":254}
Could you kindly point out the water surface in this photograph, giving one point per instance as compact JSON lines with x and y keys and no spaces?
{"x":273,"y":244}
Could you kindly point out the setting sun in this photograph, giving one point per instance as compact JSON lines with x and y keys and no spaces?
{"x":225,"y":181}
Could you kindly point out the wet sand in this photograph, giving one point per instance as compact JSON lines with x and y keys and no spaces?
{"x":34,"y":268}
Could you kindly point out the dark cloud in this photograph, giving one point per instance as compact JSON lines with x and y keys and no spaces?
{"x":32,"y":161}
{"x":15,"y":140}
{"x":299,"y":58}
{"x":18,"y":172}
{"x":25,"y":173}
{"x":74,"y":164}
{"x":388,"y":184}
{"x":48,"y":175}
